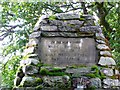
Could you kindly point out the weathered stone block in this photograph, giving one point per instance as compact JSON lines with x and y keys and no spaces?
{"x":30,"y":70}
{"x":100,"y":36}
{"x":29,"y":50}
{"x":96,"y":82}
{"x":68,"y":16}
{"x":37,"y":25}
{"x":106,"y":61}
{"x":32,"y":42}
{"x":111,"y":82}
{"x":79,"y":71}
{"x":60,"y":51}
{"x":48,"y":28}
{"x":30,"y":61}
{"x":102,"y":47}
{"x":101,"y":41}
{"x":57,"y":81}
{"x":28,"y":81}
{"x":17,"y":81}
{"x":35,"y":34}
{"x":107,"y":71}
{"x":105,"y":53}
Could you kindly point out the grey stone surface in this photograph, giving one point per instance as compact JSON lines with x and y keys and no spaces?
{"x":68,"y":16}
{"x":29,"y":50}
{"x":102,"y":47}
{"x":57,"y":22}
{"x":81,"y":82}
{"x":96,"y":82}
{"x":37,"y":25}
{"x":101,"y":41}
{"x":29,"y":61}
{"x":17,"y":81}
{"x":30,"y":69}
{"x":35,"y":34}
{"x":74,"y":22}
{"x":100,"y":36}
{"x":28,"y":81}
{"x":65,"y":34}
{"x":48,"y":28}
{"x":79,"y":71}
{"x":33,"y":42}
{"x":117,"y":72}
{"x":64,"y":51}
{"x":56,"y":81}
{"x":105,"y":53}
{"x":111,"y":82}
{"x":107,"y":71}
{"x":106,"y":61}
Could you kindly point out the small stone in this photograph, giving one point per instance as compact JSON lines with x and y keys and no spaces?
{"x":30,"y":70}
{"x":106,"y":61}
{"x":30,"y":88}
{"x":78,"y":72}
{"x":88,"y":17}
{"x":68,"y":16}
{"x":111,"y":82}
{"x":56,"y":81}
{"x":49,"y":28}
{"x":74,"y":22}
{"x":32,"y":42}
{"x":29,"y":50}
{"x":35,"y":34}
{"x":107,"y":71}
{"x":96,"y":82}
{"x":116,"y":72}
{"x":81,"y":82}
{"x":66,"y":78}
{"x":102,"y":47}
{"x":28,"y":81}
{"x":105,"y":53}
{"x":29,"y":61}
{"x":57,"y":23}
{"x":37,"y":25}
{"x":17,"y":81}
{"x":100,"y":36}
{"x":101,"y":41}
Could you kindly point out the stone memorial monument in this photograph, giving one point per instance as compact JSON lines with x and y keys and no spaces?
{"x":66,"y":52}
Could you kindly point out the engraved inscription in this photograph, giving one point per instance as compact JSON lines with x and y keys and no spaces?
{"x":60,"y":51}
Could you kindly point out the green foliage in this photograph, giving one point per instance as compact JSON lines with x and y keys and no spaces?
{"x":9,"y":71}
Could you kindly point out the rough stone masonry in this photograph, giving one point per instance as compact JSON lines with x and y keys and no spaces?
{"x":67,"y":52}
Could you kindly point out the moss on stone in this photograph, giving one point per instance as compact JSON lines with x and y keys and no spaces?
{"x":56,"y":73}
{"x":56,"y":69}
{"x":44,"y":71}
{"x":94,"y":67}
{"x":52,"y":17}
{"x":40,"y":87}
{"x":71,"y":25}
{"x":91,"y":75}
{"x":82,"y":19}
{"x":91,"y":88}
{"x":39,"y":80}
{"x":77,"y":66}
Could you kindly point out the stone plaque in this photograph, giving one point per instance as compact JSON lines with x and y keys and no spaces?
{"x":59,"y":51}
